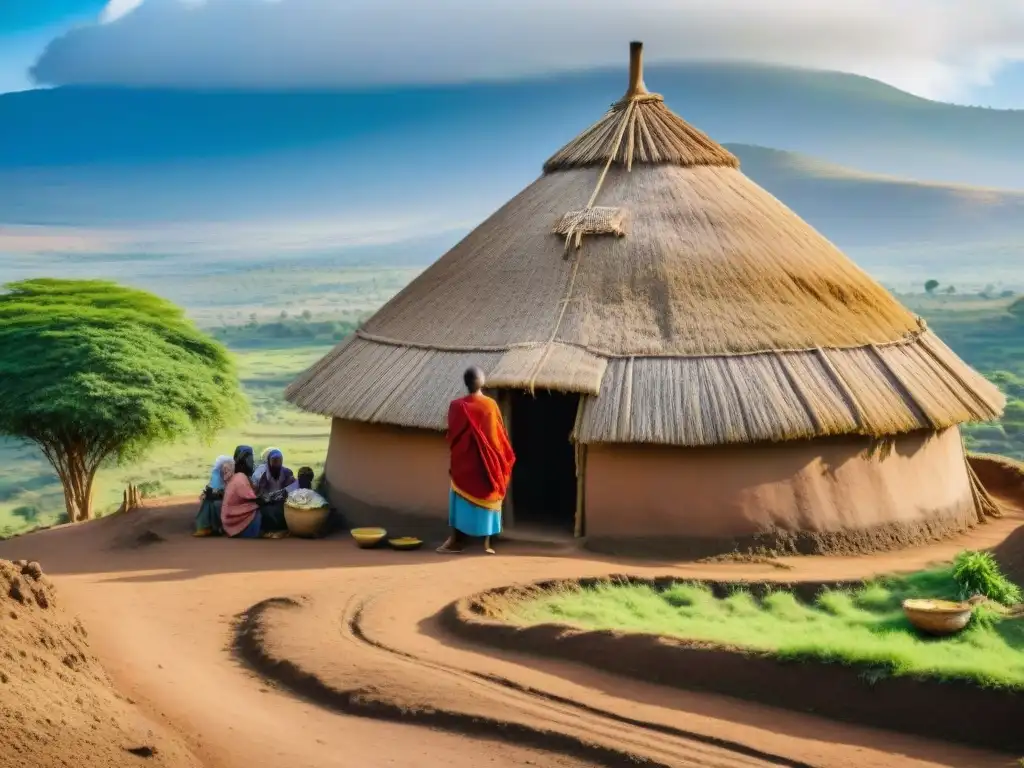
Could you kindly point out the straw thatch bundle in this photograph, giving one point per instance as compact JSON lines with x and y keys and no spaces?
{"x":693,"y":309}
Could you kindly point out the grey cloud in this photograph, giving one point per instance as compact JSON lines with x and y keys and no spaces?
{"x":932,"y":47}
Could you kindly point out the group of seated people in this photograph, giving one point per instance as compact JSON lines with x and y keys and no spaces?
{"x":243,"y":500}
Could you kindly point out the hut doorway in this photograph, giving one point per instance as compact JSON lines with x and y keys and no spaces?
{"x":544,"y":476}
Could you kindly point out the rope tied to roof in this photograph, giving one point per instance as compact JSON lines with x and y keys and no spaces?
{"x":575,"y":230}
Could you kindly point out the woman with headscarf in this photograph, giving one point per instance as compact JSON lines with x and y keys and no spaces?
{"x":245,"y":514}
{"x":276,"y":476}
{"x":208,"y":517}
{"x":261,"y":468}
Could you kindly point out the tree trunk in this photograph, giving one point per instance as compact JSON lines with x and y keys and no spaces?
{"x":76,"y":463}
{"x":77,"y":482}
{"x":77,"y":504}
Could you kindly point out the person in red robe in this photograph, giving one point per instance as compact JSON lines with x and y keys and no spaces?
{"x":481,"y":465}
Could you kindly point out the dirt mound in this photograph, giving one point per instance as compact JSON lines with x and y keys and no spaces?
{"x":57,"y":706}
{"x":923,"y":707}
{"x":1010,"y":555}
{"x":999,"y":474}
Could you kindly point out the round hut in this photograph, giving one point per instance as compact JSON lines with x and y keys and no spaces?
{"x":683,"y":363}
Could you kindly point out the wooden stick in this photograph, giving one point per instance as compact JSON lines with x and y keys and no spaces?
{"x":636,"y":70}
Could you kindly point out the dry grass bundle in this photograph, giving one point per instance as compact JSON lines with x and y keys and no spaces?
{"x":692,"y":401}
{"x":654,"y":135}
{"x":640,"y":129}
{"x":592,"y":221}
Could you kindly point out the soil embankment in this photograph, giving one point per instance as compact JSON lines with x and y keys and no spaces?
{"x":929,"y":708}
{"x":57,"y":706}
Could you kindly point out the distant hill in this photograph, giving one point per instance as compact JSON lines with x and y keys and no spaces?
{"x":856,"y":208}
{"x":844,"y":118}
{"x":397,"y":175}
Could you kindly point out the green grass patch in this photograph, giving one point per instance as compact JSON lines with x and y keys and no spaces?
{"x":989,"y":337}
{"x":31,"y":496}
{"x":862,"y":627}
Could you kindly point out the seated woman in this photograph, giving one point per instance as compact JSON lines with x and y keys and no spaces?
{"x":262,"y":466}
{"x":208,"y":517}
{"x":276,"y":477}
{"x":244,"y":513}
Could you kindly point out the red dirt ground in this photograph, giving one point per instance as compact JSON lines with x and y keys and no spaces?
{"x":315,"y":654}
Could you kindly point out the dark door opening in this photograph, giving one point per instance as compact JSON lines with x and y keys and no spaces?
{"x":544,"y":476}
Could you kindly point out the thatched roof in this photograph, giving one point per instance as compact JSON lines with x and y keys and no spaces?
{"x":643,"y":269}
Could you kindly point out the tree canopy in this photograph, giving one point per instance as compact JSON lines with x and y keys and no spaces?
{"x":92,"y":371}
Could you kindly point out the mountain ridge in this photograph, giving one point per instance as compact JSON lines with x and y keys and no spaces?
{"x":847,"y":119}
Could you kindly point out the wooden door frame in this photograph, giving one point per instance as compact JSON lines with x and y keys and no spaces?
{"x":504,"y":400}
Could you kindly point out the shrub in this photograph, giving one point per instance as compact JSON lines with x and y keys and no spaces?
{"x":977,"y":573}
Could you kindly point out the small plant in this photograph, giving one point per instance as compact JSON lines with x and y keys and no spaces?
{"x":977,"y":573}
{"x":983,"y":617}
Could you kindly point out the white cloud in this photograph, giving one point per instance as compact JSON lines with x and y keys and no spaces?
{"x":937,"y":48}
{"x":115,"y":9}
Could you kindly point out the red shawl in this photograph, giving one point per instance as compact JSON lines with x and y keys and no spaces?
{"x":481,"y":455}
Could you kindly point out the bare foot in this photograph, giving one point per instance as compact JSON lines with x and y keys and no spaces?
{"x":444,"y":549}
{"x":489,"y":550}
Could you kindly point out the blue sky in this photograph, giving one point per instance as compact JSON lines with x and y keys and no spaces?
{"x":1006,"y":92}
{"x":945,"y":49}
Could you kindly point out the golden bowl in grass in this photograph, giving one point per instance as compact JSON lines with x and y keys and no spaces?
{"x":937,"y":617}
{"x":406,"y":542}
{"x":368,"y":537}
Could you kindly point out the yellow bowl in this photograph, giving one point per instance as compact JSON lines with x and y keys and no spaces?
{"x":406,"y":542}
{"x":368,"y":537}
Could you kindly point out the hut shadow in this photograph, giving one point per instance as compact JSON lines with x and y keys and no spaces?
{"x":156,"y":545}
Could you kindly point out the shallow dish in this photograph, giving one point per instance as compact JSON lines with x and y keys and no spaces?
{"x":937,"y":617}
{"x":405,"y":542}
{"x":368,"y":537}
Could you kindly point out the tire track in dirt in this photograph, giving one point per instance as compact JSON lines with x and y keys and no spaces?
{"x":495,"y":684}
{"x":250,"y":648}
{"x":567,"y":707}
{"x":529,"y":717}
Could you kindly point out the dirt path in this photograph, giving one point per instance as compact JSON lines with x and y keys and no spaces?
{"x":161,"y":609}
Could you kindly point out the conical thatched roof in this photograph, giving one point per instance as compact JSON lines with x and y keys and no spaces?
{"x":645,"y":270}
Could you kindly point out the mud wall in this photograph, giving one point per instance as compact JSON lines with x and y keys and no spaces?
{"x":389,"y":476}
{"x":824,"y":495}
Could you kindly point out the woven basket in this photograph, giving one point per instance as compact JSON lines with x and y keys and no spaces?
{"x":937,"y":617}
{"x":306,"y":523}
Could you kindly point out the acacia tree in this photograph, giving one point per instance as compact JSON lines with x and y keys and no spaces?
{"x":94,"y":373}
